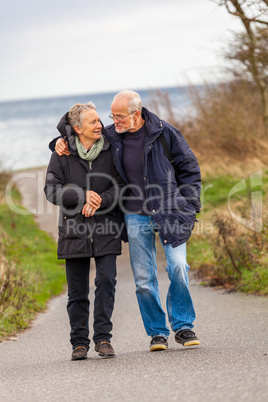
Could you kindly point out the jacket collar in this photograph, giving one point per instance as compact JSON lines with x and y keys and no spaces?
{"x":153,"y":124}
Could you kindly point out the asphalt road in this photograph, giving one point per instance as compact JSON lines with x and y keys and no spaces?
{"x":230,"y":365}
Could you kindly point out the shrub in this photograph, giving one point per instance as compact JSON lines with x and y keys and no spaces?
{"x":240,"y":255}
{"x":227,"y":122}
{"x":223,"y":123}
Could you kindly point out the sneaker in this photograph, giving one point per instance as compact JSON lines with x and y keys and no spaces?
{"x":104,"y":349}
{"x":79,"y":353}
{"x":187,"y":338}
{"x":158,"y":343}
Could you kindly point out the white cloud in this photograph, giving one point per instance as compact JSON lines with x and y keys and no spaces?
{"x":103,"y":46}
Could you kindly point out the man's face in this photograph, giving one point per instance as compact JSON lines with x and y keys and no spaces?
{"x":119,"y":109}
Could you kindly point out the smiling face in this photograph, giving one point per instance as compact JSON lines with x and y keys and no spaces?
{"x":90,"y":130}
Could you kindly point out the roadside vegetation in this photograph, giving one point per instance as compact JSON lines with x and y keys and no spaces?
{"x":29,"y":271}
{"x":227,"y":130}
{"x":229,"y":245}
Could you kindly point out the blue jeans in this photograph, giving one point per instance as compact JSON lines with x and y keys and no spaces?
{"x":180,"y":309}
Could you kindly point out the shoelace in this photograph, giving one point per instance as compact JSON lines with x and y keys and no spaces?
{"x":158,"y":339}
{"x":188,"y":333}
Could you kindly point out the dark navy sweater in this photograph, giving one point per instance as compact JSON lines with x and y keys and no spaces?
{"x":133,"y":144}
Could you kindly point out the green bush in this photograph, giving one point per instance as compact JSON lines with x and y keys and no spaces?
{"x":30,"y":273}
{"x":240,"y":256}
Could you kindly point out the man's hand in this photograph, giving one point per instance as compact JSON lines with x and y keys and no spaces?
{"x":93,"y":202}
{"x":61,"y":147}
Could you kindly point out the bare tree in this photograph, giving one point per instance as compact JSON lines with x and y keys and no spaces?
{"x":254,"y":17}
{"x":239,"y":52}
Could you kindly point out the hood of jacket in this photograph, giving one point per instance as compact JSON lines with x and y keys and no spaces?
{"x":152,"y":123}
{"x":68,"y":133}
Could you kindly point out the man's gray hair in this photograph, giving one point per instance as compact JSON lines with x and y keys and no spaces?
{"x":134,"y":98}
{"x":76,"y":113}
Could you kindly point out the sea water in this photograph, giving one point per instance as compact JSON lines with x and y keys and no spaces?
{"x":27,"y":126}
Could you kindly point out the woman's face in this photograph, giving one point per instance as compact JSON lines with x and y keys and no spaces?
{"x":91,"y":126}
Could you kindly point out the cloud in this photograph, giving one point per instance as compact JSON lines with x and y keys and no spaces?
{"x":59,"y":47}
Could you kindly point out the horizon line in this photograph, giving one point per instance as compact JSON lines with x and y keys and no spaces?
{"x":97,"y":93}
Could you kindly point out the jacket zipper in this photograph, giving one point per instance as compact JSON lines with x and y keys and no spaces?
{"x":149,"y":144}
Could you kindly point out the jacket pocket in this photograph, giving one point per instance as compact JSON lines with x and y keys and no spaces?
{"x":174,"y":200}
{"x":195,"y":202}
{"x":74,"y":227}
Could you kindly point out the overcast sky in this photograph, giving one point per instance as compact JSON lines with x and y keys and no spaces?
{"x":65,"y":47}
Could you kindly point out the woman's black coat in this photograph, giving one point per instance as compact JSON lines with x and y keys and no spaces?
{"x":67,"y":180}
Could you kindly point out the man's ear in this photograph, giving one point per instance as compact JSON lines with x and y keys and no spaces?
{"x":137,"y":114}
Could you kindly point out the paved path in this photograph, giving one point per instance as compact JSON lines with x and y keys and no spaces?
{"x":230,"y":365}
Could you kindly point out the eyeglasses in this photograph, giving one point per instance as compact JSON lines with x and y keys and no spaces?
{"x":120,"y":118}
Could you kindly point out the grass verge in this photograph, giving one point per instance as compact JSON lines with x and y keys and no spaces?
{"x":225,"y":250}
{"x":30,"y":271}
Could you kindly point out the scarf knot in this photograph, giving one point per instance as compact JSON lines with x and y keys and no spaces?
{"x":93,"y":153}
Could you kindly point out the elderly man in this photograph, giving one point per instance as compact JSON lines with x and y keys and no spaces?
{"x":163,"y":196}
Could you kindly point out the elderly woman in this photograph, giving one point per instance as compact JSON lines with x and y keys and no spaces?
{"x":86,"y":186}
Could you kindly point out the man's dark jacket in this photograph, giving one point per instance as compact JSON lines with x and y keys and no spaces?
{"x":171,"y":199}
{"x":67,"y":180}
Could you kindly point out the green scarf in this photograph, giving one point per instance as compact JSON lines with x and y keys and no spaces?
{"x":93,"y":153}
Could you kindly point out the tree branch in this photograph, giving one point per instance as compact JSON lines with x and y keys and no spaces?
{"x":241,"y":14}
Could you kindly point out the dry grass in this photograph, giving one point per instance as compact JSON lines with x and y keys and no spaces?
{"x":4,"y":178}
{"x":228,"y":127}
{"x":225,"y":130}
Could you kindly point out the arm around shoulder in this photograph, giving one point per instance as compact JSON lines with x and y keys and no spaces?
{"x":54,"y":178}
{"x":58,"y":191}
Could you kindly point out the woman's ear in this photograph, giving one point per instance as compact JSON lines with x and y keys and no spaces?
{"x":77,"y":130}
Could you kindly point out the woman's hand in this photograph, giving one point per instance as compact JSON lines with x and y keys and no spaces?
{"x":88,"y":210}
{"x":61,"y":147}
{"x":93,"y":198}
{"x":93,"y":202}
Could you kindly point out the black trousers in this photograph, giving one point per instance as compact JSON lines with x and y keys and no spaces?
{"x":77,"y":274}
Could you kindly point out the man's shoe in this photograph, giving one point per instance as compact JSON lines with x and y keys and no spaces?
{"x":158,"y":343}
{"x":187,"y":338}
{"x":104,"y":349}
{"x":79,"y":353}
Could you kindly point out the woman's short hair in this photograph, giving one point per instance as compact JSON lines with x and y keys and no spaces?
{"x":135,"y":102}
{"x":76,"y":113}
